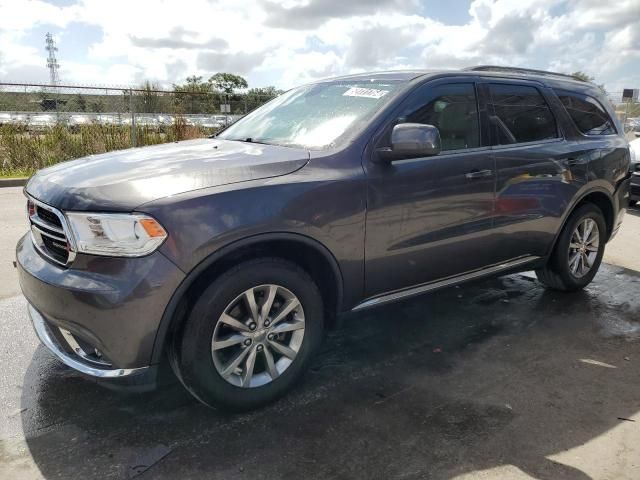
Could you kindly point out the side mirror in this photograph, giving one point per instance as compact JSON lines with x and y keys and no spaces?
{"x":411,"y":140}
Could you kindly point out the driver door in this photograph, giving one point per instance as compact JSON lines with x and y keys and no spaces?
{"x":430,"y":218}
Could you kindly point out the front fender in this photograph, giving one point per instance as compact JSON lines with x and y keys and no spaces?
{"x":176,"y":304}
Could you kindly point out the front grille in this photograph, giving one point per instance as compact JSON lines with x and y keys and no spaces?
{"x":56,"y":249}
{"x":48,"y":232}
{"x":48,"y":216}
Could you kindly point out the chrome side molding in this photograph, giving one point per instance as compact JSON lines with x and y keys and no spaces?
{"x":445,"y":282}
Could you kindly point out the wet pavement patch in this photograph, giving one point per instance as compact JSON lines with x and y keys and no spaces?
{"x":146,"y":459}
{"x":438,"y":386}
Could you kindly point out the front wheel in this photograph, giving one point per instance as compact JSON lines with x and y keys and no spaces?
{"x":250,"y":335}
{"x":578,"y":253}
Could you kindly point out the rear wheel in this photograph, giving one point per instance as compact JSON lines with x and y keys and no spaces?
{"x":578,"y":253}
{"x":632,"y":203}
{"x":250,"y":335}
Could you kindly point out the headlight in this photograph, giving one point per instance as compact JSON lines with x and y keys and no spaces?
{"x":115,"y":234}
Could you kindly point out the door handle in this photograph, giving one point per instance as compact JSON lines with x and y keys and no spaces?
{"x":573,"y":161}
{"x":475,"y":174}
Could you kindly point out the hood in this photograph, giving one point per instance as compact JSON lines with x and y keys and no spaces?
{"x":125,"y":179}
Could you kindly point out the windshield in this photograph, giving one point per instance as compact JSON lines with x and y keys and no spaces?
{"x":314,"y":116}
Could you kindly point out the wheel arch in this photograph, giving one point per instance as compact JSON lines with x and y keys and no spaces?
{"x":598,"y":196}
{"x":310,"y":254}
{"x":603,"y":201}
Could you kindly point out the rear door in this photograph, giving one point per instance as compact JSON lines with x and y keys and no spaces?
{"x":429,"y":218}
{"x":538,"y":170}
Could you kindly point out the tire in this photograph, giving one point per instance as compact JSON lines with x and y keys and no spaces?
{"x":632,"y":203}
{"x":558,"y":273}
{"x":205,"y":372}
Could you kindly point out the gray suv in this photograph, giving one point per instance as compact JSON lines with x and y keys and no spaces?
{"x":230,"y":256}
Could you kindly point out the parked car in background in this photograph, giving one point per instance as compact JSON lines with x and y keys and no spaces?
{"x":147,"y":120}
{"x":633,"y":125}
{"x":230,"y":256}
{"x":634,"y":195}
{"x":5,"y":118}
{"x":42,"y":121}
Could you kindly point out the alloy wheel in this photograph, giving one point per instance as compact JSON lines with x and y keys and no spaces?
{"x":583,"y":247}
{"x":258,"y":336}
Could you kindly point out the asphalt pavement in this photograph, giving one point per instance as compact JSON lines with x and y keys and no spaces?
{"x":13,"y":224}
{"x":499,"y":379}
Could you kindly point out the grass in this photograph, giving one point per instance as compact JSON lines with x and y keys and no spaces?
{"x":24,"y":151}
{"x":11,"y":177}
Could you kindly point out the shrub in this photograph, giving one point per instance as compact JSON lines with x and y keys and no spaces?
{"x":23,"y":151}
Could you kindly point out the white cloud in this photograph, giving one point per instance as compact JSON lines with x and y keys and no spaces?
{"x":286,"y":43}
{"x":19,"y":16}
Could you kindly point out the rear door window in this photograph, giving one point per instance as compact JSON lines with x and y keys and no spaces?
{"x":587,"y":113}
{"x":520,"y":114}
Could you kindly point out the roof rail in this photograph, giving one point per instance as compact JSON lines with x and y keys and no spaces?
{"x":496,"y":68}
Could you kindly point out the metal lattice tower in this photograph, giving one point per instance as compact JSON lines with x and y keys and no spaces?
{"x":52,"y":61}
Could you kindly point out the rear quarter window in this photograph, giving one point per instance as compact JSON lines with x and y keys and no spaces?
{"x":587,"y":113}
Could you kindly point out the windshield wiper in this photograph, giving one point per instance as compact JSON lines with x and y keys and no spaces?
{"x":249,"y":140}
{"x":261,"y":141}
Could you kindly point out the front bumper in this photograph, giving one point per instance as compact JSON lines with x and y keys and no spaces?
{"x":73,"y":360}
{"x":104,"y":305}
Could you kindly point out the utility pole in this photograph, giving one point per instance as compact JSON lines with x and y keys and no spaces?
{"x":52,"y":61}
{"x":134,"y":142}
{"x":628,"y":95}
{"x":53,"y":66}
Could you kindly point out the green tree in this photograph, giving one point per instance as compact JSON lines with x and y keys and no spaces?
{"x":147,"y":100}
{"x":48,"y":101}
{"x":228,"y":82}
{"x":194,"y":84}
{"x":80,"y":103}
{"x":585,"y":77}
{"x":194,"y":96}
{"x":269,"y":92}
{"x":258,"y":96}
{"x":97,"y":105}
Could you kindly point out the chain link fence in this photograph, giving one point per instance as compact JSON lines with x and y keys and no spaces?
{"x":41,"y":125}
{"x":42,"y":105}
{"x":628,"y":111}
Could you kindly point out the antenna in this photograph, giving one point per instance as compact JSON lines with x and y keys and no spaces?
{"x":52,"y":62}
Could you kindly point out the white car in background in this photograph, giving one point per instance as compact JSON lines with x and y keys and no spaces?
{"x":633,"y":125}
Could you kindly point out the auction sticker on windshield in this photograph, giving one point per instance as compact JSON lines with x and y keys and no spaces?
{"x":365,"y":92}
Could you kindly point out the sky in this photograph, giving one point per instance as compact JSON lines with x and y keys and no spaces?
{"x":117,"y":42}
